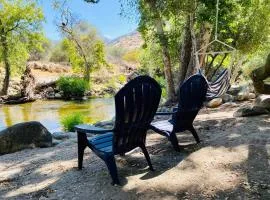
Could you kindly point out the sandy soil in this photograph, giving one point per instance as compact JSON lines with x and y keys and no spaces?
{"x":233,"y":162}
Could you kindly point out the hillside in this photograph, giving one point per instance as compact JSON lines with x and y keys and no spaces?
{"x":129,"y":41}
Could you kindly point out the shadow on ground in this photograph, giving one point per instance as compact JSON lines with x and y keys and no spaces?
{"x":232,"y":162}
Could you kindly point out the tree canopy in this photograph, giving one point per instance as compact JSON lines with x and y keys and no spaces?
{"x":20,"y":32}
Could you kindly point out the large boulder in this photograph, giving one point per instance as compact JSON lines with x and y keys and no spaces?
{"x":227,"y":98}
{"x":241,"y":92}
{"x":259,"y":75}
{"x":247,"y":111}
{"x":24,"y":135}
{"x":263,"y":101}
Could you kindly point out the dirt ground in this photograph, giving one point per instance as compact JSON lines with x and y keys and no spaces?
{"x":233,"y":162}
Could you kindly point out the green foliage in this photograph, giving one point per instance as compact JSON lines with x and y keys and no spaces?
{"x":115,"y":52}
{"x":122,"y":79}
{"x":151,"y":60}
{"x":75,"y":59}
{"x":84,"y":47}
{"x":20,"y":30}
{"x":162,"y":82}
{"x":70,"y":121}
{"x":42,"y":53}
{"x":132,"y":56}
{"x":72,"y":86}
{"x":59,"y":53}
{"x":243,"y":24}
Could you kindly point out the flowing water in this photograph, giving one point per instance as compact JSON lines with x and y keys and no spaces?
{"x":50,"y":113}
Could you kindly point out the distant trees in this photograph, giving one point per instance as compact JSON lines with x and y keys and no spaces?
{"x":85,"y":49}
{"x":20,"y":31}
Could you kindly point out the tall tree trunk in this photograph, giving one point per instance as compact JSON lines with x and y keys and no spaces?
{"x":192,"y":63}
{"x":87,"y":71}
{"x":205,"y":35}
{"x":167,"y":62}
{"x":185,"y":52}
{"x":163,"y":40}
{"x":7,"y":65}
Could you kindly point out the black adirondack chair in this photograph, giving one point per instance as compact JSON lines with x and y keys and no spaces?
{"x":192,"y":94}
{"x":135,"y":105}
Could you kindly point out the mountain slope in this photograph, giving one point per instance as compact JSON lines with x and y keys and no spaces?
{"x":129,"y":41}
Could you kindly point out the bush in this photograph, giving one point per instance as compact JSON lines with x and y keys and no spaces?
{"x":122,"y":79}
{"x":70,"y":121}
{"x":132,"y":56}
{"x":72,"y":86}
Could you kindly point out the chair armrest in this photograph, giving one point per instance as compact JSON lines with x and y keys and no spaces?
{"x":84,"y":128}
{"x":164,"y":113}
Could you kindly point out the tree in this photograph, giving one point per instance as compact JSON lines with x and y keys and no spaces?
{"x":20,"y":31}
{"x":83,"y":45}
{"x":59,"y":53}
{"x":172,"y":25}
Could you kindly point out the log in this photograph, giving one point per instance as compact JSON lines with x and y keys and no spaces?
{"x":21,"y":100}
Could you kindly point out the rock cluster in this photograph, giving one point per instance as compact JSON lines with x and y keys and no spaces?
{"x":235,"y":94}
{"x":260,"y":106}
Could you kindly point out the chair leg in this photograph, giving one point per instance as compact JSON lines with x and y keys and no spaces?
{"x":82,"y":143}
{"x":194,"y":133}
{"x":145,"y":152}
{"x":110,"y":162}
{"x":174,"y":141}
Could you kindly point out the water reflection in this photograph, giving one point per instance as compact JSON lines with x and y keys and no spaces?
{"x":49,"y":113}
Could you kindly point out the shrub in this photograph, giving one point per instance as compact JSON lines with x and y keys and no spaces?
{"x":132,"y":56}
{"x":70,"y":121}
{"x":122,"y":79}
{"x":72,"y":86}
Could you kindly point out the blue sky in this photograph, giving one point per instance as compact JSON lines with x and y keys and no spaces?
{"x":105,"y":16}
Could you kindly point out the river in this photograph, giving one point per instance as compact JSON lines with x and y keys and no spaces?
{"x":49,"y":113}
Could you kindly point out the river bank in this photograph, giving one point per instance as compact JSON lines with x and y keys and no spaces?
{"x":46,"y":74}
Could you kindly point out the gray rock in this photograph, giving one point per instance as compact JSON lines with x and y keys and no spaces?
{"x":24,"y":135}
{"x":251,"y":95}
{"x":58,"y":96}
{"x":214,"y":103}
{"x":242,"y":96}
{"x":50,"y":96}
{"x":263,"y":101}
{"x":60,"y":135}
{"x":229,"y":105}
{"x":227,"y":98}
{"x":56,"y":142}
{"x":250,"y":111}
{"x":50,"y":90}
{"x":234,"y":90}
{"x":71,"y":134}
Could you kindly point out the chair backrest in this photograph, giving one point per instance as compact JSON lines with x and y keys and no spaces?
{"x":192,"y":94}
{"x":135,"y":105}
